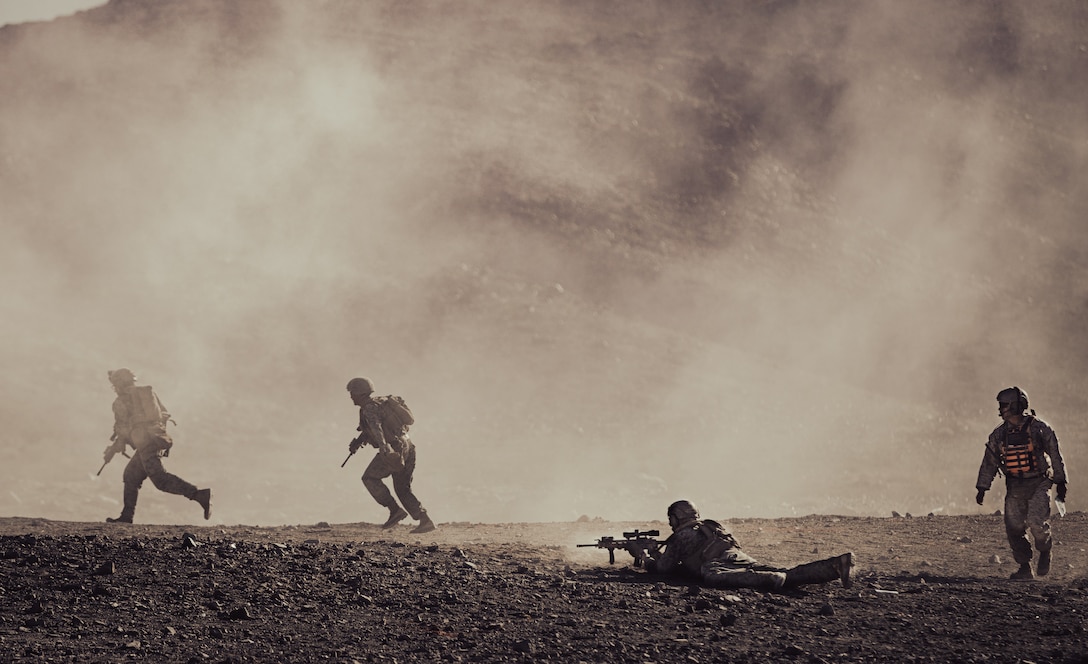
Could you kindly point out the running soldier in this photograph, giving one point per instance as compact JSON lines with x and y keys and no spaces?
{"x":702,"y":548}
{"x":139,"y":421}
{"x":383,"y":424}
{"x":1026,"y":450}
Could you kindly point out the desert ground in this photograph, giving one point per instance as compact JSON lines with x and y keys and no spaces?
{"x":927,"y":589}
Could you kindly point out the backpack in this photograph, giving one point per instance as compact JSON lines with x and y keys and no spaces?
{"x":712,"y":531}
{"x":399,"y":411}
{"x":145,"y":406}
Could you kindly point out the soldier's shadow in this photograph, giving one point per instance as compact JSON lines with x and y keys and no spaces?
{"x":915,"y":580}
{"x":632,"y":575}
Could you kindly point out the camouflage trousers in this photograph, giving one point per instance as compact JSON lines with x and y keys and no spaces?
{"x":380,"y":468}
{"x":146,"y":463}
{"x":1027,"y":507}
{"x":739,"y":570}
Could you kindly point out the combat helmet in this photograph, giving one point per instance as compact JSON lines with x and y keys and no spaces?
{"x":121,"y":377}
{"x":682,"y":512}
{"x":1015,"y":396}
{"x":360,"y":386}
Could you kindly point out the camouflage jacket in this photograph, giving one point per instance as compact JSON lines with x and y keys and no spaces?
{"x":695,"y":544}
{"x":1048,"y":457}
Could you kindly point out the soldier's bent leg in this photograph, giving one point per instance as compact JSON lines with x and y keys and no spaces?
{"x":1016,"y":527}
{"x":1038,"y":521}
{"x":725,"y":576}
{"x":372,"y":480}
{"x":133,"y":477}
{"x":1038,"y":516}
{"x":402,"y":485}
{"x":378,"y":470}
{"x":164,"y":481}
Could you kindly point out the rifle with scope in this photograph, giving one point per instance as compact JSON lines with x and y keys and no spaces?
{"x":639,"y":543}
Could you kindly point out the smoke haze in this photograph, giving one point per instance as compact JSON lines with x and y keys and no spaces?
{"x":773,"y":257}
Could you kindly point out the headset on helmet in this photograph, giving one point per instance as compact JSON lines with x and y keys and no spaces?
{"x":360,"y":385}
{"x":1015,"y":396}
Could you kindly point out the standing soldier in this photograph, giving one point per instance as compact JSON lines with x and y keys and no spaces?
{"x":140,"y":421}
{"x":383,"y":423}
{"x":1026,"y":450}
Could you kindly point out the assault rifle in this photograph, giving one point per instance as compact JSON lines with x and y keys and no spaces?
{"x":352,"y":449}
{"x":110,"y":453}
{"x":350,"y":454}
{"x":638,"y":543}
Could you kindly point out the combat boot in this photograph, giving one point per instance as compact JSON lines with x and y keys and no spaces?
{"x":844,"y":564}
{"x":203,"y":497}
{"x":1024,"y":573}
{"x":820,"y":571}
{"x":425,"y":525}
{"x":128,"y":507}
{"x":396,"y":515}
{"x":1043,"y":567}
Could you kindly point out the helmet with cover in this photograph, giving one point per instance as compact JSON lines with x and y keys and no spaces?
{"x":121,"y":377}
{"x":682,"y":512}
{"x":360,"y":386}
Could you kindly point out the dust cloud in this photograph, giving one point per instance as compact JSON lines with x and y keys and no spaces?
{"x":772,"y":257}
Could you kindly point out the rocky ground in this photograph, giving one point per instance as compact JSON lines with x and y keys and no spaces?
{"x":929,"y":588}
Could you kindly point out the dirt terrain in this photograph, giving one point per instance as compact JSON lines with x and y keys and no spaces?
{"x":928,"y":588}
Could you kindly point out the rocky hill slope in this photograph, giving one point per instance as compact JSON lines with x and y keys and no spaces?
{"x":774,"y":256}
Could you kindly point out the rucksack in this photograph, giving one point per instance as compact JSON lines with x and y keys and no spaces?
{"x":145,"y":406}
{"x":713,"y":531}
{"x":398,"y":410}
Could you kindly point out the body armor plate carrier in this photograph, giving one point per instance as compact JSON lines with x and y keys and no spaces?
{"x":1019,"y":453}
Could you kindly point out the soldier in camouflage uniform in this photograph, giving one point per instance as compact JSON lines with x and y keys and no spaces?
{"x":396,"y":456}
{"x":1026,"y":450}
{"x":140,"y":422}
{"x":703,"y":549}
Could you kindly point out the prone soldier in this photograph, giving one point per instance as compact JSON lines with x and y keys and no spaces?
{"x":704,"y":549}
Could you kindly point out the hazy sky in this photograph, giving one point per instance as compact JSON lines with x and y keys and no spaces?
{"x":611,"y":257}
{"x":21,"y":11}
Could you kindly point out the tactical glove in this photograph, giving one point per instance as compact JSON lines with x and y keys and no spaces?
{"x":354,"y":446}
{"x":1062,"y":487}
{"x":980,"y":496}
{"x":113,"y":449}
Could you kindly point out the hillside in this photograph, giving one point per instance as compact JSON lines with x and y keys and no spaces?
{"x":777,"y":257}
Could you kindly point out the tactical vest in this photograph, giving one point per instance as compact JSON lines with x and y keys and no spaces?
{"x":1018,"y":454}
{"x":715,"y":540}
